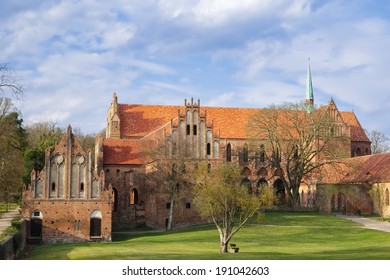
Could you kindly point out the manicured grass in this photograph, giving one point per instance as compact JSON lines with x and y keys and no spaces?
{"x":281,"y":236}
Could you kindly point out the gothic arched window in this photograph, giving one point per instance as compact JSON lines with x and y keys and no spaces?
{"x":245,"y":153}
{"x":228,"y":153}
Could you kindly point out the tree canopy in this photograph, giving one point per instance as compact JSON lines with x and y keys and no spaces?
{"x":297,"y":143}
{"x":220,"y":196}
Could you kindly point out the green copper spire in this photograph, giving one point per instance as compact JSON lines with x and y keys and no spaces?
{"x":309,"y":91}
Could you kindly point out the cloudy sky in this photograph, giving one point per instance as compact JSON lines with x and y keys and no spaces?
{"x":72,"y":55}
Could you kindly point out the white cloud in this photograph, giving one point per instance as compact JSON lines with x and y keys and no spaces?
{"x":249,"y":53}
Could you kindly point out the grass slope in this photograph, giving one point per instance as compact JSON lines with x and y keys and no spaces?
{"x":281,"y":236}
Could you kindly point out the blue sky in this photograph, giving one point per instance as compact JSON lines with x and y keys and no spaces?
{"x":72,"y":55}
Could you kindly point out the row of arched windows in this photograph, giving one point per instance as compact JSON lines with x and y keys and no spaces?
{"x":245,"y":153}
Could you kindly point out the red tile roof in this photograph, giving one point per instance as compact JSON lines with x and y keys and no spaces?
{"x":357,"y":132}
{"x":138,"y":121}
{"x":122,"y":151}
{"x":372,"y":168}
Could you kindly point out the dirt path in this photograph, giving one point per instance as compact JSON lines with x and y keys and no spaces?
{"x":6,"y":218}
{"x":369,"y":223}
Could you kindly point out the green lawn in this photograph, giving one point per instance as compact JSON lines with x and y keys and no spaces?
{"x":281,"y":236}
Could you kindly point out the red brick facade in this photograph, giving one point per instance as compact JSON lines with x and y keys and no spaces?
{"x":72,"y":200}
{"x":68,"y":200}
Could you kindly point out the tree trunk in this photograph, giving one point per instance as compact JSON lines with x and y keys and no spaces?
{"x":223,"y":248}
{"x":170,"y":214}
{"x":224,"y":240}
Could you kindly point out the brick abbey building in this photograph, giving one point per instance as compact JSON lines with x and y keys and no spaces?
{"x":72,"y":199}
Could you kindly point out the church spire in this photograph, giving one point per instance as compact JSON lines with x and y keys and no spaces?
{"x":309,"y":91}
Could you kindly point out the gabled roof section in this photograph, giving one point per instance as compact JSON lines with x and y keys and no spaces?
{"x":68,"y":139}
{"x":364,"y":169}
{"x":139,"y":120}
{"x":357,"y":131}
{"x":122,"y":151}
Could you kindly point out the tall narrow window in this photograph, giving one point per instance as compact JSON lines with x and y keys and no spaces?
{"x":228,"y":153}
{"x":245,"y":154}
{"x":115,"y":199}
{"x":134,"y":196}
{"x":208,"y":148}
{"x":188,"y":129}
{"x":262,"y":153}
{"x":195,"y":130}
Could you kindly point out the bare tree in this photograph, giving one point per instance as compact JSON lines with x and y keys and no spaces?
{"x":379,"y":142}
{"x":9,"y":83}
{"x":167,"y":172}
{"x":297,"y":143}
{"x":219,"y":195}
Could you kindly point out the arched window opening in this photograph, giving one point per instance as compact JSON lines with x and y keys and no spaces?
{"x":53,"y":186}
{"x":195,"y":130}
{"x":229,"y":153}
{"x":81,"y":187}
{"x":115,"y":199}
{"x":134,"y":196}
{"x":358,"y":152}
{"x":261,"y":184}
{"x":188,"y":205}
{"x":279,"y":191}
{"x":188,"y":129}
{"x":247,"y":185}
{"x":208,"y":149}
{"x":245,"y":153}
{"x":262,"y":153}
